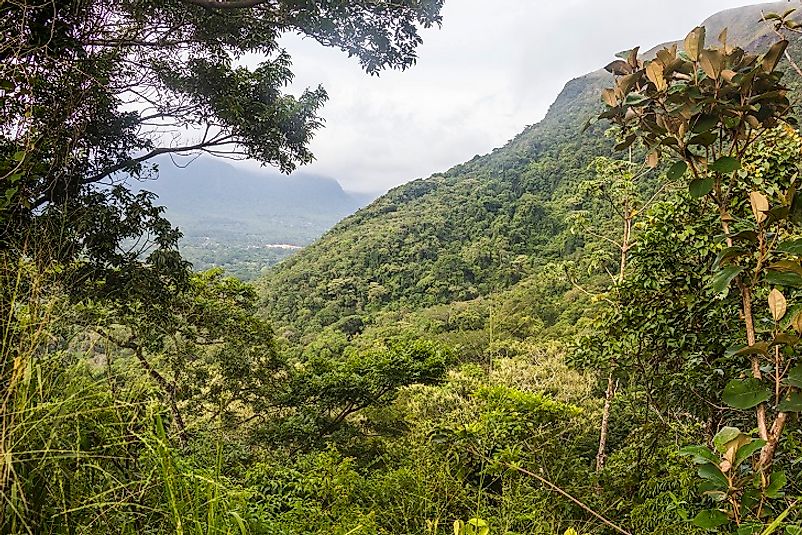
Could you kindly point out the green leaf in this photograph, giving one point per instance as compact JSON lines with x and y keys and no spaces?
{"x":792,"y":404}
{"x":777,"y":278}
{"x":635,"y":99}
{"x":722,"y":279}
{"x":728,"y":253}
{"x":759,"y":348}
{"x":725,"y":165}
{"x":476,"y":526}
{"x":747,"y":450}
{"x":791,"y":247}
{"x":677,"y":171}
{"x":704,"y":123}
{"x":699,"y":187}
{"x":712,"y":473}
{"x":700,"y":454}
{"x":795,"y":376}
{"x":776,"y":483}
{"x":745,"y":393}
{"x":793,"y":530}
{"x":711,"y":519}
{"x":724,"y":437}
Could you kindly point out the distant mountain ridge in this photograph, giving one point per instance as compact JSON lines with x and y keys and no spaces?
{"x":244,"y":220}
{"x":479,"y":228}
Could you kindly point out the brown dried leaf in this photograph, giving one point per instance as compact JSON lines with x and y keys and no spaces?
{"x":695,"y":42}
{"x":777,"y":304}
{"x":760,"y":205}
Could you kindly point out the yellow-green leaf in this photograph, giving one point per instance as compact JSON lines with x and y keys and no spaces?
{"x":777,"y":304}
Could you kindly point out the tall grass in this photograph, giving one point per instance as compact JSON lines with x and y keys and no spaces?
{"x":83,"y":445}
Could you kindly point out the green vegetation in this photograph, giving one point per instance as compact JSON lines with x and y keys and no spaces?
{"x":575,"y":334}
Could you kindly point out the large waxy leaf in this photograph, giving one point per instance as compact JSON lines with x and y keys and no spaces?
{"x":654,"y":72}
{"x":722,"y":279}
{"x":747,"y":450}
{"x":728,"y":253}
{"x":619,"y":67}
{"x":725,"y":165}
{"x":777,"y":278}
{"x":635,"y":99}
{"x":704,"y":123}
{"x":695,"y":42}
{"x":608,"y":97}
{"x":777,"y":481}
{"x":700,"y":454}
{"x":724,"y":437}
{"x":745,"y":393}
{"x":712,"y":62}
{"x":711,"y":519}
{"x":758,"y":348}
{"x":793,"y":403}
{"x":777,"y":304}
{"x":787,"y":266}
{"x":677,"y":171}
{"x":711,"y":472}
{"x":791,"y":247}
{"x":699,"y":187}
{"x":795,"y":376}
{"x":772,"y":58}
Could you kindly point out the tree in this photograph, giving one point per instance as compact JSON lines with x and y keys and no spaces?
{"x":623,"y":188}
{"x":91,"y":91}
{"x":709,"y":109}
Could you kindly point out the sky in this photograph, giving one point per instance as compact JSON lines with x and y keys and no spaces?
{"x":491,"y":69}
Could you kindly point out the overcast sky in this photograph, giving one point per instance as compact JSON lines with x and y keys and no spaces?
{"x":493,"y":68}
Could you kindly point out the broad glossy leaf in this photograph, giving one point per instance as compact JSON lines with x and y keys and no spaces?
{"x":778,"y":278}
{"x":745,"y":393}
{"x":635,"y":99}
{"x":704,"y":123}
{"x":700,"y":454}
{"x":725,"y":165}
{"x":772,"y":58}
{"x":695,"y":42}
{"x":711,"y":472}
{"x":654,"y":72}
{"x":787,"y":266}
{"x":777,"y":481}
{"x":699,"y":187}
{"x":795,"y":376}
{"x":722,"y":279}
{"x":759,"y":348}
{"x":793,"y":403}
{"x":728,"y":253}
{"x":619,"y":67}
{"x":725,"y":436}
{"x":747,"y":450}
{"x":791,"y":247}
{"x":677,"y":171}
{"x":711,"y":519}
{"x":760,"y":205}
{"x":712,"y":62}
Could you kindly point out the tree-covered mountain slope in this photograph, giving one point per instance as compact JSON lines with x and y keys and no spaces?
{"x":479,"y":228}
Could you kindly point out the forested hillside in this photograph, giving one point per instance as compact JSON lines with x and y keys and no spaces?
{"x":478,"y":228}
{"x":593,"y":330}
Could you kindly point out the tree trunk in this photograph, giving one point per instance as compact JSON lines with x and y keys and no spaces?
{"x":169,"y":391}
{"x":601,"y":456}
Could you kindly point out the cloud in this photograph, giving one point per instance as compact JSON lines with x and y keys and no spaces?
{"x":479,"y":80}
